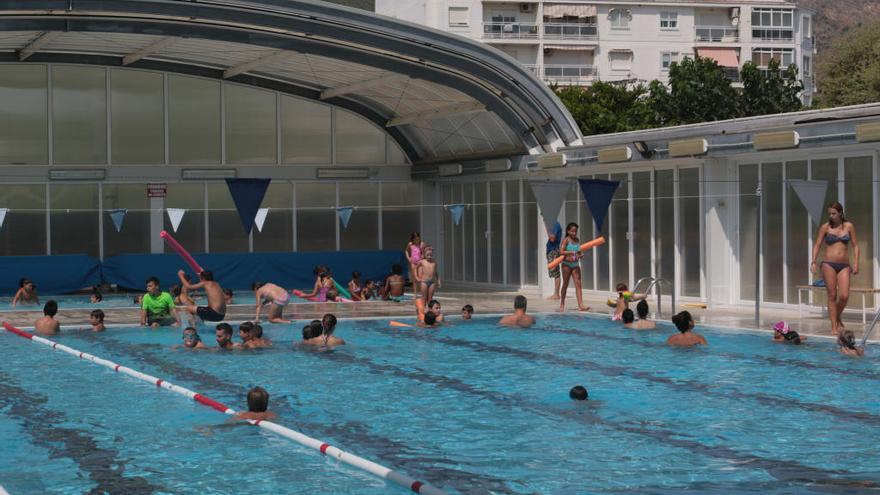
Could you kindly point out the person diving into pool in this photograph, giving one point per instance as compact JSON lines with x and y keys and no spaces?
{"x":216,"y":308}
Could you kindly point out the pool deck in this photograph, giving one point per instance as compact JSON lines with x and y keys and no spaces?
{"x":484,"y":302}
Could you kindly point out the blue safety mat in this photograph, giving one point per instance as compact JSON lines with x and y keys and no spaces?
{"x":56,"y":274}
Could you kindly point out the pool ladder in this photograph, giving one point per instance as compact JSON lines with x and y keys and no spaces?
{"x":870,"y":328}
{"x":658,"y":282}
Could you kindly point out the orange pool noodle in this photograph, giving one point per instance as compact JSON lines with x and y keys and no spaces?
{"x":587,"y":245}
{"x":398,"y":324}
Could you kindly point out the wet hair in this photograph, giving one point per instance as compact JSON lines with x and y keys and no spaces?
{"x":396,"y":269}
{"x":257,"y":285}
{"x":176,"y":289}
{"x":311,"y":331}
{"x":627,"y":316}
{"x":847,"y":339}
{"x":413,"y":236}
{"x":332,"y":294}
{"x":23,"y":282}
{"x":51,"y":308}
{"x":430,"y":318}
{"x":258,"y":331}
{"x":97,"y":294}
{"x":226,"y":328}
{"x":683,"y":321}
{"x":578,"y":392}
{"x":642,"y":309}
{"x":207,"y":275}
{"x":520,"y":302}
{"x":195,"y":333}
{"x":433,"y":302}
{"x":621,"y":287}
{"x":356,"y":275}
{"x":97,"y":314}
{"x":227,"y":292}
{"x":792,"y":337}
{"x":246,"y":327}
{"x":468,"y":308}
{"x":328,"y":322}
{"x":258,"y":399}
{"x":839,"y":207}
{"x":154,"y":280}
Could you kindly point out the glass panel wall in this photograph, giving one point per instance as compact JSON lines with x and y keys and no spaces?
{"x":588,"y":231}
{"x":137,"y":118}
{"x":305,"y":131}
{"x":362,"y":233}
{"x":401,"y":213}
{"x":24,"y":229}
{"x":277,"y":234}
{"x":23,"y":115}
{"x":250,"y":125}
{"x":193,"y":120}
{"x":798,"y":231}
{"x":496,"y":226}
{"x":618,"y":220}
{"x":79,"y":115}
{"x":74,"y":219}
{"x":603,"y":260}
{"x":691,"y":235}
{"x":512,"y":244}
{"x":772,"y":250}
{"x":315,"y":208}
{"x":191,"y":231}
{"x":641,"y":228}
{"x":481,"y":224}
{"x":448,"y":233}
{"x":135,"y":234}
{"x":748,"y":225}
{"x":530,"y":226}
{"x":664,"y":224}
{"x":467,"y":220}
{"x":859,"y":209}
{"x":357,"y":140}
{"x":458,"y":242}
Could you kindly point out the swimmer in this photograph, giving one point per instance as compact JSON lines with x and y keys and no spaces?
{"x":429,"y":320}
{"x":624,"y":297}
{"x":519,"y":318}
{"x":258,"y":403}
{"x":684,"y":322}
{"x":245,"y":332}
{"x":628,"y":317}
{"x":395,"y":284}
{"x":311,"y":331}
{"x":355,"y":288}
{"x":26,"y":294}
{"x":413,"y":254}
{"x":223,"y":335}
{"x":216,"y":308}
{"x":643,"y":322}
{"x":227,"y":293}
{"x":96,"y":319}
{"x":782,"y":333}
{"x":276,"y":296}
{"x":48,"y":324}
{"x":157,"y":306}
{"x":192,"y":340}
{"x":181,"y":295}
{"x":426,"y":272}
{"x":259,"y":340}
{"x":96,"y":296}
{"x":326,"y":337}
{"x":467,"y":312}
{"x":847,"y":343}
{"x":434,"y":307}
{"x":578,"y":392}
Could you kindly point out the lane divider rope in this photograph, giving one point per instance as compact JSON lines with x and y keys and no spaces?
{"x":322,"y":447}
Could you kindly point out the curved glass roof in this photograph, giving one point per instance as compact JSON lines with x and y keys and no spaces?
{"x":443,"y":98}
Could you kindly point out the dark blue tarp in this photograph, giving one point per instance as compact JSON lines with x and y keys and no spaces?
{"x":51,"y":274}
{"x":237,"y":271}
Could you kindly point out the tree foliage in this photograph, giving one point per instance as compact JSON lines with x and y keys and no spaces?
{"x":849,"y":73}
{"x":606,"y":107}
{"x":770,"y":91}
{"x":698,"y":91}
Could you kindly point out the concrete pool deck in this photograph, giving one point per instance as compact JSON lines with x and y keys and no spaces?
{"x":485,"y":302}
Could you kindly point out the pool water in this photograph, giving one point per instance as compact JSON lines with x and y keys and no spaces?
{"x":470,"y":407}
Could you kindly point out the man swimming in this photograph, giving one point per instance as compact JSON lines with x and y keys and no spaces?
{"x":224,"y":336}
{"x":684,"y":322}
{"x":258,"y":403}
{"x":276,"y":296}
{"x":48,"y":324}
{"x":192,"y":340}
{"x":157,"y":306}
{"x":216,"y":308}
{"x":519,"y":318}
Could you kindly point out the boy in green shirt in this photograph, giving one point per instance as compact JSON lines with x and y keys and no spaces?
{"x":157,"y":308}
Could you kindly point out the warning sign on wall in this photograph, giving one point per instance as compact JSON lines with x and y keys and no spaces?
{"x":157,"y":190}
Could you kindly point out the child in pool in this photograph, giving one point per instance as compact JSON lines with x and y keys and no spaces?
{"x":96,"y":296}
{"x":26,"y":294}
{"x":783,"y":334}
{"x":96,"y":319}
{"x":847,"y":343}
{"x":624,"y":297}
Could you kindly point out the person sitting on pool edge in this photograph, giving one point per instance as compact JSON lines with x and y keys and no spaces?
{"x":684,"y":322}
{"x":216,"y":308}
{"x":394,"y":285}
{"x":48,"y":324}
{"x":467,"y":312}
{"x":628,"y":317}
{"x":192,"y":340}
{"x":519,"y":318}
{"x":96,"y":319}
{"x":157,"y":306}
{"x":847,"y":343}
{"x":643,"y":322}
{"x":258,"y":403}
{"x":224,"y":336}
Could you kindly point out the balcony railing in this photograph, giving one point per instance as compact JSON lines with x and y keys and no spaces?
{"x":570,"y":31}
{"x":510,"y":30}
{"x":772,"y":34}
{"x":717,"y":34}
{"x":570,"y":74}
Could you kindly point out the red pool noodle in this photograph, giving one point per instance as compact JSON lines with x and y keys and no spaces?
{"x":182,"y":252}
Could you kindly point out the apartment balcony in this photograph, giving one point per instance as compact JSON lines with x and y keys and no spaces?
{"x":570,"y":31}
{"x":773,"y":34}
{"x":510,"y":30}
{"x":716,"y":34}
{"x":570,"y":75}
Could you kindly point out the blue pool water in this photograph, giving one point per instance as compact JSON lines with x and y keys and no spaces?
{"x":470,"y":407}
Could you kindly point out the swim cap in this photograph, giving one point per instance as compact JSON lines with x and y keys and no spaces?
{"x":578,"y":393}
{"x":781,"y":327}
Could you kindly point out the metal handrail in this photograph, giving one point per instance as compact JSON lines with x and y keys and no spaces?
{"x":652,"y":282}
{"x":871,"y":328}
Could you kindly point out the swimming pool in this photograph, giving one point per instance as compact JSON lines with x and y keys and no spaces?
{"x":81,"y":301}
{"x":470,"y":408}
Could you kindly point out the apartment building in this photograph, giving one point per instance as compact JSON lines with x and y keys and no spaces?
{"x":578,"y":42}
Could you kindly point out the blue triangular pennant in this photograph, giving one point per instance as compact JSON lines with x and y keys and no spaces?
{"x":457,"y":211}
{"x":248,"y":196}
{"x":598,"y":194}
{"x":344,"y":214}
{"x":118,"y":216}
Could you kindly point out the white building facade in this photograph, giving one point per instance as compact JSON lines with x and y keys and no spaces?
{"x":577,"y":43}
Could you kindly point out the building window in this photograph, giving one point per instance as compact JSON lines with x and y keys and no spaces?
{"x":458,"y":16}
{"x":808,"y":27}
{"x":773,"y":24}
{"x":621,"y":60}
{"x":669,"y":20}
{"x":805,"y":68}
{"x":619,"y":18}
{"x":667,"y":58}
{"x":762,"y":56}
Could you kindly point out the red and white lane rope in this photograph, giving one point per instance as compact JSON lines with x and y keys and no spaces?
{"x":324,"y":448}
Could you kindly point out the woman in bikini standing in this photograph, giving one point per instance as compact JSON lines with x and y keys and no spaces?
{"x":837,"y":234}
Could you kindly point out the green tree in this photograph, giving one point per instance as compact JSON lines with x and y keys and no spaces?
{"x":849,"y":73}
{"x":770,"y":91}
{"x":698,"y":91}
{"x":606,"y":107}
